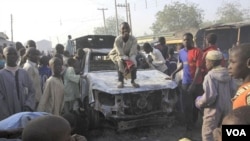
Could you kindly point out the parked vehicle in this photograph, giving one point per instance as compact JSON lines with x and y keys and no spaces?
{"x":172,"y":40}
{"x":229,"y":34}
{"x":128,"y":107}
{"x":95,"y":41}
{"x":4,"y":41}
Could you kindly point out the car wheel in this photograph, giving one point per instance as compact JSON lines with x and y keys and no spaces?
{"x":93,"y":115}
{"x":94,"y":118}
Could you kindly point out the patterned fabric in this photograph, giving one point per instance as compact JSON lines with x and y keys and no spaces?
{"x":242,"y":97}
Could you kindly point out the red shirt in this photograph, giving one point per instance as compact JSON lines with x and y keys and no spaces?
{"x":191,"y":59}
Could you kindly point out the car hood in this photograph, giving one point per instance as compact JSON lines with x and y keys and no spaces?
{"x":148,"y":80}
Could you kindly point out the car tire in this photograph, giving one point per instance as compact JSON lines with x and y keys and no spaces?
{"x":93,"y":115}
{"x":94,"y":118}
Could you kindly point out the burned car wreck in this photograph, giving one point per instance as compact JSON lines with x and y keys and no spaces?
{"x":128,"y":107}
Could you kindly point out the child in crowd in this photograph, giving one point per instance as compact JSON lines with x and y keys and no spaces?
{"x":80,"y":60}
{"x":71,"y":86}
{"x":218,"y":88}
{"x":238,"y":116}
{"x":239,"y":68}
{"x":66,"y":56}
{"x":44,"y":70}
{"x":171,"y":62}
{"x":52,"y":99}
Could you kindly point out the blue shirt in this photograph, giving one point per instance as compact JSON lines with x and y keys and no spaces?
{"x":19,"y":120}
{"x":45,"y":73}
{"x":2,"y":63}
{"x":191,"y":59}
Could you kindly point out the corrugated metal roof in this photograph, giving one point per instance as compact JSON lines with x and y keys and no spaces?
{"x":3,"y":35}
{"x":228,"y":25}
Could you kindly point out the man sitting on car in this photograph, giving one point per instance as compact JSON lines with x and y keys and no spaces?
{"x":123,"y":53}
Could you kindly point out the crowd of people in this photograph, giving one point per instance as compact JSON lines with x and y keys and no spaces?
{"x":35,"y":84}
{"x":207,"y":85}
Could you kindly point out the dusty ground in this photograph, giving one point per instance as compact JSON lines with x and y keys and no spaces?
{"x":155,"y":133}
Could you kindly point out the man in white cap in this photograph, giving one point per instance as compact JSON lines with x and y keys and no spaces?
{"x":219,"y":88}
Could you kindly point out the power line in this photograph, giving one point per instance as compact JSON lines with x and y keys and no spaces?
{"x":116,"y":16}
{"x":103,"y":9}
{"x":128,"y":13}
{"x":11,"y":21}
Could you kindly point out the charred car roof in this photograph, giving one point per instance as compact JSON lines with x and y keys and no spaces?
{"x":228,"y":25}
{"x":95,"y":41}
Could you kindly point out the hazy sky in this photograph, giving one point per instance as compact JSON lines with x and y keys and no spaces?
{"x":55,"y":19}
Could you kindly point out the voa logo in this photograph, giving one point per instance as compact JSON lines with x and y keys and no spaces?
{"x":236,"y":132}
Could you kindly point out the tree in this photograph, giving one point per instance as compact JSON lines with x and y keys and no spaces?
{"x":231,"y":12}
{"x":176,"y":17}
{"x":110,"y":26}
{"x":206,"y":23}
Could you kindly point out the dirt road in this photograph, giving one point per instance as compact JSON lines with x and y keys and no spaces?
{"x":156,"y":133}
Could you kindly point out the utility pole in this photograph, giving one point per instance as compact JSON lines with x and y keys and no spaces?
{"x":103,"y":13}
{"x":130,"y":21}
{"x":128,"y":13}
{"x":11,"y":23}
{"x":126,"y":6}
{"x":116,"y":16}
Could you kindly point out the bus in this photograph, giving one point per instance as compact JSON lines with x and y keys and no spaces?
{"x":172,"y":40}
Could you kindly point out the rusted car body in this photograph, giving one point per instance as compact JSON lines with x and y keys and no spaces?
{"x":126,"y":107}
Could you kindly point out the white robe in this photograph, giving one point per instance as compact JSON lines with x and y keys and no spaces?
{"x":52,"y":99}
{"x":33,"y":72}
{"x":121,"y":49}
